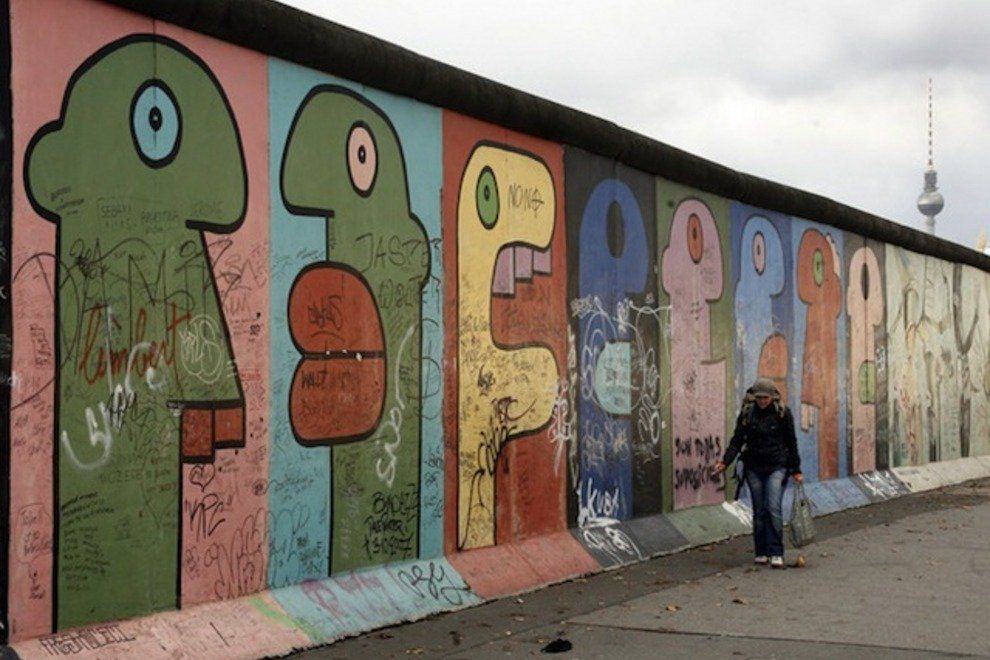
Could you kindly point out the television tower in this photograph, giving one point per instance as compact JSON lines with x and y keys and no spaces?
{"x":930,"y":202}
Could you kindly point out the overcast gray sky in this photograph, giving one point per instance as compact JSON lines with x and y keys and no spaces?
{"x":828,"y":96}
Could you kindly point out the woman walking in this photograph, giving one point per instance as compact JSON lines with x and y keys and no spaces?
{"x":765,"y":441}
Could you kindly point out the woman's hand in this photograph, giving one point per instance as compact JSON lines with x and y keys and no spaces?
{"x":720,"y":467}
{"x":798,"y":477}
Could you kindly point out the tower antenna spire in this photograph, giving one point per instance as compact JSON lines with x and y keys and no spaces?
{"x":931,"y":129}
{"x":930,"y":202}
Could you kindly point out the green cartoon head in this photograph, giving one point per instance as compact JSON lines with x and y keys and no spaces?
{"x":356,"y":317}
{"x":143,"y":158}
{"x":145,"y":155}
{"x":343,"y":160}
{"x":144,"y":127}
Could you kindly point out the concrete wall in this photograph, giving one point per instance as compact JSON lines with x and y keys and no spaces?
{"x":271,"y":325}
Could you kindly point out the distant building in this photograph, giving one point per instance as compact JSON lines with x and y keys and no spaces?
{"x":981,"y":243}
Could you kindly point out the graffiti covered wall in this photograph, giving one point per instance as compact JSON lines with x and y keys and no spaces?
{"x":269,"y":325}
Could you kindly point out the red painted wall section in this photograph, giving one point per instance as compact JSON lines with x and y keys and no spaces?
{"x":506,"y":329}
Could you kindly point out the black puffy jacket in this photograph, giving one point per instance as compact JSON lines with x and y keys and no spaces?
{"x":765,"y":438}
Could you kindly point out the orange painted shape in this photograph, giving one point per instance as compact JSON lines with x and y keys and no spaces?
{"x":197,"y":434}
{"x":495,"y":571}
{"x":695,"y":238}
{"x":331,"y":309}
{"x":527,"y":503}
{"x":511,"y":568}
{"x":819,"y":289}
{"x":557,"y":557}
{"x":228,"y":425}
{"x":773,"y":363}
{"x":336,"y":400}
{"x":338,"y":390}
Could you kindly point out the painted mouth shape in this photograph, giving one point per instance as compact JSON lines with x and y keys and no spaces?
{"x":518,"y":262}
{"x":338,"y":389}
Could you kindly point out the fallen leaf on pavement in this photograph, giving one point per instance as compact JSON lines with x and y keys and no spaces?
{"x":740,"y":601}
{"x":673,"y":608}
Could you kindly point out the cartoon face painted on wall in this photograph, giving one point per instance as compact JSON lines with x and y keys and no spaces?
{"x":819,"y":288}
{"x":615,"y":359}
{"x":505,"y":215}
{"x":762,"y":348}
{"x":865,"y":305}
{"x":145,"y":156}
{"x":692,"y":275}
{"x":356,"y":320}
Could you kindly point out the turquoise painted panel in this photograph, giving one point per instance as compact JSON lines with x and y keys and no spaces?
{"x":303,"y":524}
{"x":361,"y":600}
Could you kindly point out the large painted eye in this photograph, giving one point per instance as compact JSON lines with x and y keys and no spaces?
{"x":818,"y":267}
{"x":362,"y":158}
{"x":759,"y":253}
{"x":487,"y":198}
{"x":156,"y":124}
{"x":615,"y":230}
{"x":695,"y":238}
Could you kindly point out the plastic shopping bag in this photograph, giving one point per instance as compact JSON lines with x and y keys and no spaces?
{"x":802,"y":522}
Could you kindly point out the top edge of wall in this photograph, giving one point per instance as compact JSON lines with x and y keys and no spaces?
{"x":294,"y":35}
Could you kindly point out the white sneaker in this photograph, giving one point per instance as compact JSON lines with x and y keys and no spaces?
{"x":776,"y":561}
{"x":762,"y":560}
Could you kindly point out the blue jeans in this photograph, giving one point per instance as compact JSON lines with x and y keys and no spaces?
{"x":767,"y":493}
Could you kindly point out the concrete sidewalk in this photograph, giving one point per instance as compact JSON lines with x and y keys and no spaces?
{"x":908,"y":578}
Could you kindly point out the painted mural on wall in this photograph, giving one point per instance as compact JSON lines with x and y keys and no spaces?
{"x":694,"y":233}
{"x":504,"y":215}
{"x":270,"y":325}
{"x":356,"y":319}
{"x":925,"y":397}
{"x":971,"y":329}
{"x":146,"y":380}
{"x":867,"y":358}
{"x":818,"y":322}
{"x":763,"y":298}
{"x":356,"y":471}
{"x":616,"y":320}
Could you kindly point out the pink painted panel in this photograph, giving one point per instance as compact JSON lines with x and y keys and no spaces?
{"x":52,"y":38}
{"x":230,"y":558}
{"x":246,"y":628}
{"x":864,"y":302}
{"x":504,"y":280}
{"x":692,"y":275}
{"x":524,"y":262}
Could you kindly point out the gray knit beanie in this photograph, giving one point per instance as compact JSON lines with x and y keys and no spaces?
{"x":764,"y":386}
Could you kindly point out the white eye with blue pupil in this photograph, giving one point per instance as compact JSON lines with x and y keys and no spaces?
{"x":156,"y":124}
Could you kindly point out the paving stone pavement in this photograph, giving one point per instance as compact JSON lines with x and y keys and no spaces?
{"x":909,"y":578}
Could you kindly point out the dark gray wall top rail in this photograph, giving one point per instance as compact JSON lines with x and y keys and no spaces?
{"x":296,"y":36}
